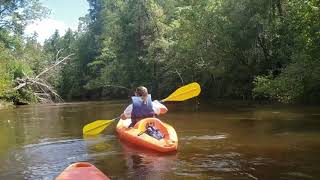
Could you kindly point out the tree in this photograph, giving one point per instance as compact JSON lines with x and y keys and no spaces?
{"x":17,"y":57}
{"x":297,"y":41}
{"x":236,"y":49}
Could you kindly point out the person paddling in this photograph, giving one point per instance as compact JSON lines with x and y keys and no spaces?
{"x":142,"y":107}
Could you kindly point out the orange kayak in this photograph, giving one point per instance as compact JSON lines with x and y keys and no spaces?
{"x":82,"y":171}
{"x":136,"y":136}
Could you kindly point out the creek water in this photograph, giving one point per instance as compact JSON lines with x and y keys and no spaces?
{"x":228,"y":141}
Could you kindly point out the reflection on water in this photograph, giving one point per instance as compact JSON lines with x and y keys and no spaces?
{"x":145,"y":164}
{"x":215,"y":142}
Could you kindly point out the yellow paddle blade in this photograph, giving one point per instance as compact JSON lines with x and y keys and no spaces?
{"x":185,"y":92}
{"x":96,"y":127}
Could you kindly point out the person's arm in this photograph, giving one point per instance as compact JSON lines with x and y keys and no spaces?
{"x":123,"y":117}
{"x":127,"y":112}
{"x":159,"y":108}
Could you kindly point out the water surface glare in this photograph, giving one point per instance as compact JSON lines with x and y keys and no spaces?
{"x":215,"y":142}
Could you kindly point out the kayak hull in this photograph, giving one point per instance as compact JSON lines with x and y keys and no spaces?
{"x":136,"y":136}
{"x":82,"y":171}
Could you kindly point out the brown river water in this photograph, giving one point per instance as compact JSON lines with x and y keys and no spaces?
{"x":215,"y":142}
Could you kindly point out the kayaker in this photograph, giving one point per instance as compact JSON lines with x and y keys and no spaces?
{"x":142,"y":107}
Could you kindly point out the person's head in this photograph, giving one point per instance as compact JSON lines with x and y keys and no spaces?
{"x":150,"y":124}
{"x":142,"y":92}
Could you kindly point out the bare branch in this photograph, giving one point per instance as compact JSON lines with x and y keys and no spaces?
{"x":53,"y":66}
{"x":48,"y":88}
{"x":180,"y":76}
{"x":117,"y":86}
{"x":42,"y":90}
{"x":57,"y":55}
{"x":20,"y":86}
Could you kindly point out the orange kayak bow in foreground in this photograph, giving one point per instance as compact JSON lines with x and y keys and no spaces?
{"x":137,"y":136}
{"x":82,"y":171}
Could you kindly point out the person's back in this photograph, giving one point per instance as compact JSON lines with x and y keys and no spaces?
{"x":142,"y":107}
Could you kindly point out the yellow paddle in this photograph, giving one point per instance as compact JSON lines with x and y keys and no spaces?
{"x":183,"y":93}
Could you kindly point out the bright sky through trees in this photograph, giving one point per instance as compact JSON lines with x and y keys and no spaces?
{"x":64,"y":14}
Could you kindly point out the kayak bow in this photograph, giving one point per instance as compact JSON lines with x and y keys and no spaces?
{"x":82,"y":171}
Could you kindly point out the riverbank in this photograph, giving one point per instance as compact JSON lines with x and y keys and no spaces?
{"x":216,"y":103}
{"x":6,"y":105}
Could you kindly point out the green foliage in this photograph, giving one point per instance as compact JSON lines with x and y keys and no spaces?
{"x":5,"y":80}
{"x":242,"y":49}
{"x":236,"y":49}
{"x":298,"y":82}
{"x":298,"y":41}
{"x":15,"y":15}
{"x":12,"y":68}
{"x":18,"y":58}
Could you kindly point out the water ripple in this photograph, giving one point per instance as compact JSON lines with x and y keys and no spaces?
{"x":205,"y":137}
{"x":45,"y":142}
{"x":50,"y":156}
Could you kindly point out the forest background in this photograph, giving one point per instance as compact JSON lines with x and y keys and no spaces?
{"x":236,"y":49}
